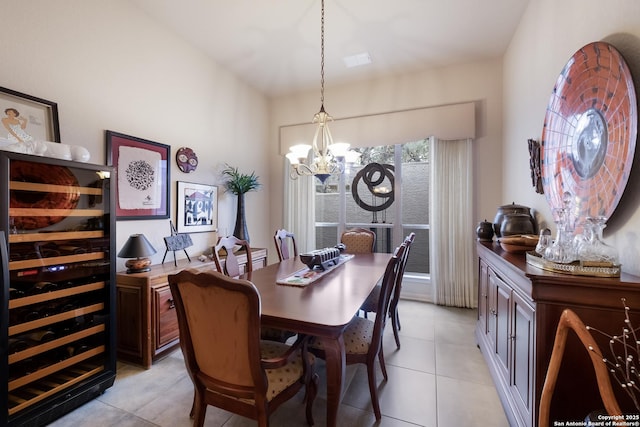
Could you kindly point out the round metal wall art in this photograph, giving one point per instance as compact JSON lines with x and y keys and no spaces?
{"x":590,"y":130}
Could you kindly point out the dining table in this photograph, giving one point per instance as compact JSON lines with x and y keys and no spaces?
{"x":322,"y":308}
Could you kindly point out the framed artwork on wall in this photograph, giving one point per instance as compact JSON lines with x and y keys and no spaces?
{"x":197,"y":207}
{"x":27,"y":118}
{"x":142,"y":182}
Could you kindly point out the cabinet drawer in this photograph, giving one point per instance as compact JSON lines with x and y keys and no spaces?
{"x":166,"y":324}
{"x":258,"y":264}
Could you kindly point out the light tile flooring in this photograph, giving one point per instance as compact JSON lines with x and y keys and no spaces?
{"x":438,"y":378}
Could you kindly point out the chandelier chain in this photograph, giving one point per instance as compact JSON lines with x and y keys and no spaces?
{"x":322,"y":55}
{"x":327,"y":158}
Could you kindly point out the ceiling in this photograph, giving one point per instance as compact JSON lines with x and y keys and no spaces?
{"x":274,"y":45}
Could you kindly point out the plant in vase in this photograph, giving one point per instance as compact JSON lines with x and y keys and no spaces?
{"x":240,"y":184}
{"x":625,"y":355}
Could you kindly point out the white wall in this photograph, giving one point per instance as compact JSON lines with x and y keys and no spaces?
{"x":550,"y":33}
{"x":109,"y":66}
{"x":480,"y":83}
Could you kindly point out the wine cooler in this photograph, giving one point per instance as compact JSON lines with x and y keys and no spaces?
{"x":58,"y":291}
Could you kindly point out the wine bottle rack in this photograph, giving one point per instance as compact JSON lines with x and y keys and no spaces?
{"x":59,"y":301}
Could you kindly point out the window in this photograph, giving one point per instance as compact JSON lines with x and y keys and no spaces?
{"x":387,"y":182}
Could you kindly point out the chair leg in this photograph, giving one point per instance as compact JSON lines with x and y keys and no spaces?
{"x":310,"y":396}
{"x":373,"y":390}
{"x":383,"y":366}
{"x":263,"y":419}
{"x":200,"y":409}
{"x":192,"y":413}
{"x":395,"y":325}
{"x":193,"y":406}
{"x":395,"y":321}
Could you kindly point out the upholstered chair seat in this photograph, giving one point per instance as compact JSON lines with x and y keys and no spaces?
{"x":357,"y":337}
{"x":280,"y":378}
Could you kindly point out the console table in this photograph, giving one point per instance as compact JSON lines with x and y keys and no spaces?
{"x":147,"y":325}
{"x":518,"y":310}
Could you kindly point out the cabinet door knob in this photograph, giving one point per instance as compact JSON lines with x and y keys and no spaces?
{"x":171,"y":303}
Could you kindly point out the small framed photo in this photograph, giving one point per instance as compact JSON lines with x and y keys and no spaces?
{"x":27,"y":118}
{"x":197,"y":207}
{"x":142,"y":181}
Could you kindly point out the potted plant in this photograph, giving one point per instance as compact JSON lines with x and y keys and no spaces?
{"x":240,"y":184}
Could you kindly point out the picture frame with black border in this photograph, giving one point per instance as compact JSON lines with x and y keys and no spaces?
{"x":41,"y":115}
{"x":142,"y":176}
{"x":197,"y":207}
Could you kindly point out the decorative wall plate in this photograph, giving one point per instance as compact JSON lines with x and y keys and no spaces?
{"x":186,"y":159}
{"x":590,"y":129}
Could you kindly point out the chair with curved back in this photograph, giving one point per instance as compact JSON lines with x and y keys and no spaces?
{"x":285,"y":244}
{"x":363,"y":337}
{"x":231,"y":268}
{"x":358,"y":240}
{"x":569,"y":320}
{"x":371,"y":302}
{"x":231,"y":368}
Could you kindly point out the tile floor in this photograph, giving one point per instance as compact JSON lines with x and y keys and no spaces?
{"x":437,"y":379}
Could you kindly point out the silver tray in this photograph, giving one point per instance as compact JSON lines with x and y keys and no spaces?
{"x":575,"y":268}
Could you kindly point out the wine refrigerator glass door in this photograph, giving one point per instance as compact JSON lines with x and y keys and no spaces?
{"x":60,"y":296}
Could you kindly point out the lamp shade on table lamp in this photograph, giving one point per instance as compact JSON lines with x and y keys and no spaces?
{"x":138,"y":249}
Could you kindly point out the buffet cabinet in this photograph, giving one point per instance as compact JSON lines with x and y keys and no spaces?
{"x":57,"y":334}
{"x":519,"y":306}
{"x":147,"y":320}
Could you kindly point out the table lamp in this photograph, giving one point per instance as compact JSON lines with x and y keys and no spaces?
{"x":137,"y":248}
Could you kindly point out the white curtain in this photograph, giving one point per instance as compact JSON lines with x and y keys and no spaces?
{"x":451,"y":253}
{"x":299,"y":214}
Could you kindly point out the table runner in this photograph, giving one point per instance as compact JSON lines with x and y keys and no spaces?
{"x":305,"y":276}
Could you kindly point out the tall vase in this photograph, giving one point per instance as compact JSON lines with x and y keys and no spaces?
{"x":240,"y":231}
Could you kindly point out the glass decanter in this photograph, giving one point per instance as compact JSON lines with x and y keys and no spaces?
{"x":562,"y":249}
{"x":594,"y":249}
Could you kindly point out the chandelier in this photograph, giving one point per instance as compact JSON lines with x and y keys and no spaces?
{"x":328,"y":157}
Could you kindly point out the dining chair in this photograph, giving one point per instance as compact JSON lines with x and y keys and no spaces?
{"x":363,"y":337}
{"x":227,"y":245}
{"x":371,"y":302}
{"x":285,"y":243}
{"x":231,"y":268}
{"x":230,"y":366}
{"x":569,"y":320}
{"x":358,"y":240}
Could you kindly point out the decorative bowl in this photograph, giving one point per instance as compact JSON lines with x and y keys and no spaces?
{"x":519,"y":243}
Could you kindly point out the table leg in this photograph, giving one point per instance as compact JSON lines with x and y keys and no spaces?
{"x":335,"y":363}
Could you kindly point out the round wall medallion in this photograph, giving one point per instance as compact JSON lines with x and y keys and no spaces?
{"x":590,"y":129}
{"x":186,"y":159}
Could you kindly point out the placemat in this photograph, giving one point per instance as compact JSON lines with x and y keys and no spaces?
{"x":305,"y":276}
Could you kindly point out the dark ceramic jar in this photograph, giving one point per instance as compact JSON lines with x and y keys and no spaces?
{"x":512,"y":209}
{"x":484,"y":231}
{"x":517,"y":223}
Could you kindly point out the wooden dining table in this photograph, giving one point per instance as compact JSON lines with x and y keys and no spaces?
{"x":323,"y":308}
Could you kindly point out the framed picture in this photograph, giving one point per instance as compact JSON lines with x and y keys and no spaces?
{"x":197,"y":207}
{"x":142,"y":176}
{"x":25,"y":117}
